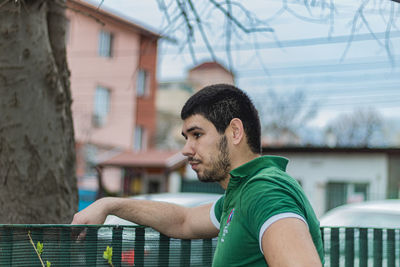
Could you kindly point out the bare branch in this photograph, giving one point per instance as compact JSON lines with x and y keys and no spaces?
{"x":202,"y":32}
{"x":189,"y":28}
{"x":236,"y":22}
{"x":186,"y":18}
{"x":387,"y":39}
{"x":312,"y":20}
{"x":353,"y":30}
{"x":164,"y":9}
{"x":228,"y":43}
{"x":101,"y":3}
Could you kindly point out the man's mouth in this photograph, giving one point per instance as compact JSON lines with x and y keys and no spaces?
{"x":194,"y":163}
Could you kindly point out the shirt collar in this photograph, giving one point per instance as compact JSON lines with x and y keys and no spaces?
{"x":252,"y":167}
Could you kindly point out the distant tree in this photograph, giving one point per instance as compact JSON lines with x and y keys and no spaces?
{"x":357,"y":129}
{"x":284,"y":115}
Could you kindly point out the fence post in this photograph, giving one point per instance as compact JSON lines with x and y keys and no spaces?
{"x":116,"y":245}
{"x":363,"y":239}
{"x":91,"y":246}
{"x":6,"y":246}
{"x":377,"y":247}
{"x":391,"y":248}
{"x":185,"y":253}
{"x":163,"y":253}
{"x":349,"y":247}
{"x":65,"y":247}
{"x":334,"y":257}
{"x":207,"y":252}
{"x":139,"y":247}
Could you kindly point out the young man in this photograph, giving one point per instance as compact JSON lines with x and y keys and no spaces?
{"x":263,"y":219}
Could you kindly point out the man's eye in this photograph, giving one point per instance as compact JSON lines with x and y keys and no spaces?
{"x":197,"y":135}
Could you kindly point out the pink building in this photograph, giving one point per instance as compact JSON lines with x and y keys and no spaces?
{"x":209,"y":72}
{"x":113,"y":82}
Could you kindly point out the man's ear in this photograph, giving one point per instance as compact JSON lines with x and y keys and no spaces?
{"x":237,"y":130}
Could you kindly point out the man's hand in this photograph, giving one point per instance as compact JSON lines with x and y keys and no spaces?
{"x":96,"y":213}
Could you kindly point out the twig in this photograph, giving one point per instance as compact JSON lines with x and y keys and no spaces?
{"x":237,"y":23}
{"x":202,"y":32}
{"x":34,"y":247}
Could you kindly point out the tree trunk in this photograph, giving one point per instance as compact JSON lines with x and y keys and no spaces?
{"x":37,"y":156}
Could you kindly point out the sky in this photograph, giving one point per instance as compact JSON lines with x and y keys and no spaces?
{"x":314,"y":55}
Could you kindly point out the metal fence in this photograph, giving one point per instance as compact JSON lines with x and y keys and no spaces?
{"x":361,"y":247}
{"x":99,"y":245}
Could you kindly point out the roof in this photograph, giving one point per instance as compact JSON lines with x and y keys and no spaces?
{"x":209,"y":65}
{"x":146,"y":159}
{"x":321,"y":149}
{"x":98,"y":12}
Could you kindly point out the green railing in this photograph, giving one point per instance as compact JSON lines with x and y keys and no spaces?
{"x":362,"y":247}
{"x":66,"y":245}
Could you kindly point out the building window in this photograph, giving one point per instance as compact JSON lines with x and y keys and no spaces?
{"x":105,"y":44}
{"x":139,"y":138}
{"x":101,"y":106}
{"x":142,"y":83}
{"x":340,"y":193}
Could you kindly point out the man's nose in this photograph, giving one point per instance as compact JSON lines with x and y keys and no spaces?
{"x":187,"y":149}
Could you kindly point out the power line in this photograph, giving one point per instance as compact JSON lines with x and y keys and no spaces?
{"x":118,"y":53}
{"x":320,"y":68}
{"x":300,"y":42}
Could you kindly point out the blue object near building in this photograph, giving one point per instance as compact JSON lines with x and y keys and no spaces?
{"x":86,"y":197}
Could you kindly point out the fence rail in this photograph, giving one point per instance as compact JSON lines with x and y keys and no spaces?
{"x":66,"y":245}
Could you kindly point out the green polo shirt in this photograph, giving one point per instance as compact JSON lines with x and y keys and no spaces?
{"x":259,"y":193}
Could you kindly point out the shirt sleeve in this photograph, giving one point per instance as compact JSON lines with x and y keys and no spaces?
{"x":216,"y":212}
{"x":268,"y":201}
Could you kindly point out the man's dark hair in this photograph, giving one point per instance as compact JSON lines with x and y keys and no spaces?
{"x":220,"y":103}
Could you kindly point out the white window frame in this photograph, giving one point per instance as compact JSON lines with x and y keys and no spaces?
{"x":142,"y":83}
{"x":105,"y":44}
{"x":139,"y":138}
{"x":101,"y":107}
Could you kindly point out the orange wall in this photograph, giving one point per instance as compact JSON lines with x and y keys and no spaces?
{"x":146,"y":106}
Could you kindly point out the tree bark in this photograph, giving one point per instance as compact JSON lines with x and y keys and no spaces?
{"x":37,"y":155}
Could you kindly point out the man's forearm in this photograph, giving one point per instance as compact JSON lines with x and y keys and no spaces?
{"x":170,"y":219}
{"x":166,"y":218}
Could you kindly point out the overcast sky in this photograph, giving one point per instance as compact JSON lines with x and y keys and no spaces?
{"x":339,"y":82}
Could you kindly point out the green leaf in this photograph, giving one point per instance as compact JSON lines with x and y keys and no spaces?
{"x":107,"y":254}
{"x":48,"y":264}
{"x":39,"y":248}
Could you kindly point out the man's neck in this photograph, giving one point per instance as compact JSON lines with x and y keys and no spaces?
{"x":243,"y":159}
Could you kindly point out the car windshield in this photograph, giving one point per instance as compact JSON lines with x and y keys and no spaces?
{"x":351,"y":218}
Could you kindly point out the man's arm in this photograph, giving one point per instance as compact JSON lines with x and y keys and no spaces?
{"x":170,"y":219}
{"x":287,"y":242}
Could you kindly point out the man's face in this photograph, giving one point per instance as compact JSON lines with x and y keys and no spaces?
{"x":206,"y":149}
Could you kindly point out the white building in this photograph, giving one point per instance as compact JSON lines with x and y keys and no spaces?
{"x":335,"y":176}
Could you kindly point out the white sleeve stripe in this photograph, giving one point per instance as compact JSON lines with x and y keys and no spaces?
{"x":275,"y":218}
{"x":213,"y":217}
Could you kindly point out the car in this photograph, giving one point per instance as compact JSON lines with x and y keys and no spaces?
{"x":152,"y":237}
{"x":368,"y":215}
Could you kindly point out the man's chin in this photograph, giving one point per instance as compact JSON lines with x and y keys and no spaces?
{"x":207,"y":179}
